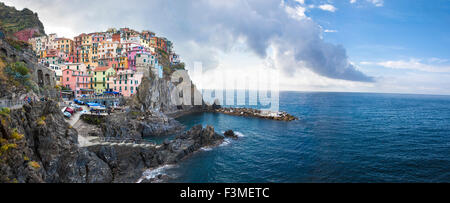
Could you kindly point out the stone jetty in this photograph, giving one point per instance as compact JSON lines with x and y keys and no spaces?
{"x":249,"y":112}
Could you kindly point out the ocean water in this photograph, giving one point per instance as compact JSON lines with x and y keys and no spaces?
{"x":339,"y":137}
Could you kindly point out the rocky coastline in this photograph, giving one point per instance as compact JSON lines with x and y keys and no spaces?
{"x":44,"y":148}
{"x":249,"y":112}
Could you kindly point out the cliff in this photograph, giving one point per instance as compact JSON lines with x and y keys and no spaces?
{"x":22,"y":24}
{"x":20,"y":74}
{"x":37,"y":145}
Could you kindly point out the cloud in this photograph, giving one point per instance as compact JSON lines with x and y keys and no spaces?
{"x":413,"y":64}
{"x":203,"y":29}
{"x":328,"y":7}
{"x":330,"y":31}
{"x":377,"y":3}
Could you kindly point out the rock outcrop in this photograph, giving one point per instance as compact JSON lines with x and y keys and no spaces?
{"x":20,"y":23}
{"x":128,"y":164}
{"x":230,"y":134}
{"x":43,"y":148}
{"x":137,"y":125}
{"x":39,"y":146}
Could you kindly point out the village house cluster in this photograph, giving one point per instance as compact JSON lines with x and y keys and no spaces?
{"x":113,"y":61}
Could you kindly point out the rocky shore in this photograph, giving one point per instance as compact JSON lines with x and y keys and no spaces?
{"x":42,"y":147}
{"x":248,"y":112}
{"x":128,"y":164}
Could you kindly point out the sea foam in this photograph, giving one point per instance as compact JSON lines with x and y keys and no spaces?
{"x":153,"y":173}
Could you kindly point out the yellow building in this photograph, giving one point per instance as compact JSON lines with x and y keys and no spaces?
{"x":123,"y":63}
{"x":102,"y":78}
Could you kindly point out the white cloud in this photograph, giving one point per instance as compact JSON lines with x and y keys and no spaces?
{"x":297,"y":13}
{"x":328,"y":7}
{"x":412,"y":64}
{"x":302,"y":2}
{"x":330,"y":31}
{"x":377,"y":3}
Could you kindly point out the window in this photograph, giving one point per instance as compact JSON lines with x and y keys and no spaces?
{"x":67,"y":79}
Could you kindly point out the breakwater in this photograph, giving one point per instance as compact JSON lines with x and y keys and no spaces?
{"x":249,"y":112}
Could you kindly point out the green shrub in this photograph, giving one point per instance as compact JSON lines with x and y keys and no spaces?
{"x":16,"y":135}
{"x":19,"y":71}
{"x":5,"y":111}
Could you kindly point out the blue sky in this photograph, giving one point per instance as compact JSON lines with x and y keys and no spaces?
{"x":398,"y":29}
{"x":391,"y":46}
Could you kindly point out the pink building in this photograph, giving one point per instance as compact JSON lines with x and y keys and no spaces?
{"x":76,"y":78}
{"x":127,"y":82}
{"x":139,"y":55}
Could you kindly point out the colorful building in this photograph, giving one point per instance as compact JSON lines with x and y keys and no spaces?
{"x":65,"y":45}
{"x":139,"y":56}
{"x":115,"y":60}
{"x":101,"y":79}
{"x":127,"y":82}
{"x":76,"y":77}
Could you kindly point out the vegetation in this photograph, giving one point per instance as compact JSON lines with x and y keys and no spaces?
{"x":41,"y":120}
{"x":19,"y":45}
{"x":19,"y":73}
{"x":13,"y":20}
{"x":34,"y":164}
{"x":16,"y":135}
{"x":5,"y":111}
{"x":7,"y":146}
{"x":93,"y":120}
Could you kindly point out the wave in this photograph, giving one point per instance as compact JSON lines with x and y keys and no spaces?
{"x":225,"y":142}
{"x":155,"y":172}
{"x":206,"y":148}
{"x":239,"y":134}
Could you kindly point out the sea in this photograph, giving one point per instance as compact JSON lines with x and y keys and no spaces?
{"x":339,"y":138}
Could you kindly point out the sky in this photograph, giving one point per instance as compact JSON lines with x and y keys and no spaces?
{"x":387,"y":46}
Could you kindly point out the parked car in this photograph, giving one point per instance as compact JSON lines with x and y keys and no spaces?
{"x":67,"y":114}
{"x":71,"y":111}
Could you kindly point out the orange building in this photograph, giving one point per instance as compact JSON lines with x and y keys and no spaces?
{"x":65,"y":45}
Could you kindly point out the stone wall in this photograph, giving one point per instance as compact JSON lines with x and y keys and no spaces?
{"x":40,"y":74}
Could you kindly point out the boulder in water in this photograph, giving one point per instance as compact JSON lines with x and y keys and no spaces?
{"x":230,"y":134}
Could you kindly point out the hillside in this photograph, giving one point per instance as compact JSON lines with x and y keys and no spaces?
{"x":20,"y":24}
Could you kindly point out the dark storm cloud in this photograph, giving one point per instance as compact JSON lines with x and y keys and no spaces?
{"x":201,"y":28}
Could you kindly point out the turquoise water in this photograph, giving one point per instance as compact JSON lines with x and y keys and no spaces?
{"x":340,"y":137}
